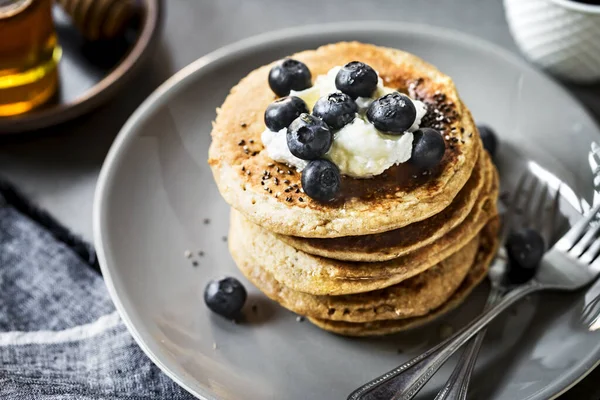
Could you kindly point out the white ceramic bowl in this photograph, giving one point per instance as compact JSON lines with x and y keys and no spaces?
{"x":562,"y":36}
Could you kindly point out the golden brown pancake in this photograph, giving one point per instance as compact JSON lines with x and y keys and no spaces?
{"x":398,"y":197}
{"x":392,"y":244}
{"x":487,"y":250}
{"x":413,"y":297}
{"x":324,"y":276}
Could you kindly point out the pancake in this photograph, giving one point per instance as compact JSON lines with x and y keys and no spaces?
{"x":398,"y":197}
{"x":392,"y":244}
{"x":324,"y":276}
{"x":487,"y":250}
{"x":413,"y":297}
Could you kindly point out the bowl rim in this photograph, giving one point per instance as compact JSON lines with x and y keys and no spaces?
{"x":579,"y":7}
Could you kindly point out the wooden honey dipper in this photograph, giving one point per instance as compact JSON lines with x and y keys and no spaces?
{"x":100,"y":19}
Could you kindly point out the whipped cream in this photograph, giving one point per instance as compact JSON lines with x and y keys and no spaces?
{"x":359,"y":149}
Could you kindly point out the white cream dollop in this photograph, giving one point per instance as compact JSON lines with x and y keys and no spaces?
{"x":359,"y":149}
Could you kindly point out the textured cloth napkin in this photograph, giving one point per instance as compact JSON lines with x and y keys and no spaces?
{"x":60,"y":335}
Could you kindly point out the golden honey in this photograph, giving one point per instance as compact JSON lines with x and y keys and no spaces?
{"x":29,"y":55}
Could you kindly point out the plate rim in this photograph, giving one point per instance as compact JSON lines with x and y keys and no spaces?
{"x":171,"y":87}
{"x":104,"y":89}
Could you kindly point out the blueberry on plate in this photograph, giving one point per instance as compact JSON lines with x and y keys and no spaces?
{"x":308,"y":137}
{"x":321,"y":180}
{"x":225,"y":296}
{"x":393,"y":113}
{"x":428,"y":148}
{"x":525,"y":249}
{"x":337,"y":110}
{"x":356,"y":79}
{"x":489,"y":139}
{"x":289,"y":75}
{"x":282,"y":112}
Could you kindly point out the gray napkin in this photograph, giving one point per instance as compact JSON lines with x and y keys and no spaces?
{"x":60,"y":335}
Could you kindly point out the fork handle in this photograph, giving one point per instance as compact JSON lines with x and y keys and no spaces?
{"x":457,"y":386}
{"x":405,"y":381}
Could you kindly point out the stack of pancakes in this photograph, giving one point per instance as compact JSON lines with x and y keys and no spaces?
{"x":393,"y":251}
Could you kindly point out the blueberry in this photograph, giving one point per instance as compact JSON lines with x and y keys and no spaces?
{"x":428,"y":148}
{"x":321,"y":180}
{"x":336,"y":109}
{"x":225,"y":296}
{"x":525,"y":249}
{"x":356,"y":79}
{"x":308,"y":137}
{"x":489,"y":139}
{"x":393,"y":113}
{"x":282,"y":112}
{"x":289,"y":75}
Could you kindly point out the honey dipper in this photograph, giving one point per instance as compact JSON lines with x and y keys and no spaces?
{"x":100,"y":19}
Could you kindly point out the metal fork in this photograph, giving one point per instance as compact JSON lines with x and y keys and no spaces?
{"x":590,"y":314}
{"x":569,"y":265}
{"x":523,"y":203}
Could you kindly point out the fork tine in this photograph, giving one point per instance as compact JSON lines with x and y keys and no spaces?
{"x":584,"y":243}
{"x":513,"y":207}
{"x":569,"y":240}
{"x":591,"y":253}
{"x":594,"y":267}
{"x":552,"y":228}
{"x":538,"y":212}
{"x":529,"y":203}
{"x":591,"y":312}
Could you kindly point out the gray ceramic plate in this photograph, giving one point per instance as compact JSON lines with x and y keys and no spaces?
{"x":156,"y":190}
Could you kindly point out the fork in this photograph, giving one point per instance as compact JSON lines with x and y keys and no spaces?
{"x":590,"y":314}
{"x":522,"y":202}
{"x":569,"y":265}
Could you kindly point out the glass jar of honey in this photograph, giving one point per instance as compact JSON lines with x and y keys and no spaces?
{"x":29,"y":55}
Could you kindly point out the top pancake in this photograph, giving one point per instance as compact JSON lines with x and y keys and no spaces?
{"x":480,"y":189}
{"x":396,"y":198}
